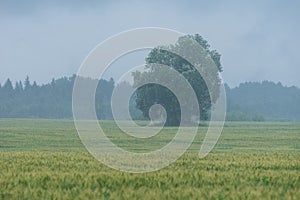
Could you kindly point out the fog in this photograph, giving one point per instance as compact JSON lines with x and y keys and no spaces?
{"x":258,"y":40}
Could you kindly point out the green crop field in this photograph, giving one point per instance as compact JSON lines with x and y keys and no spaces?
{"x":44,"y":159}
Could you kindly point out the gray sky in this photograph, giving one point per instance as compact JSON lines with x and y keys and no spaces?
{"x":258,"y":40}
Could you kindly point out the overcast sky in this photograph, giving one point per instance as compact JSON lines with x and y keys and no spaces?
{"x":259,"y":40}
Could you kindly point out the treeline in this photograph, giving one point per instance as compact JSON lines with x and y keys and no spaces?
{"x":52,"y":100}
{"x":265,"y":101}
{"x":251,"y":101}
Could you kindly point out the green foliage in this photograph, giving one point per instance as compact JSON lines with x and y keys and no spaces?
{"x":269,"y":101}
{"x":150,"y":94}
{"x":44,"y":159}
{"x":53,"y":100}
{"x":266,"y":101}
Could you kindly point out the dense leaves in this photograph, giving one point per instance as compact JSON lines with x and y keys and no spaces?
{"x":171,"y":56}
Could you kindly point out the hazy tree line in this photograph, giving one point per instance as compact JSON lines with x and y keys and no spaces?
{"x":266,"y":101}
{"x":52,"y":100}
{"x":251,"y":101}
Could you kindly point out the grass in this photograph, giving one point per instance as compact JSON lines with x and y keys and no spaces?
{"x":44,"y":159}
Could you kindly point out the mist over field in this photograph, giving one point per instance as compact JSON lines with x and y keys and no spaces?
{"x":149,"y":99}
{"x":257,"y":41}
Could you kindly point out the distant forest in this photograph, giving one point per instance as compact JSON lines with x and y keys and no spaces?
{"x":266,"y":101}
{"x":251,"y":101}
{"x":52,"y":100}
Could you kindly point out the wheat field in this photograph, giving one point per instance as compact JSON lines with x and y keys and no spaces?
{"x":44,"y":159}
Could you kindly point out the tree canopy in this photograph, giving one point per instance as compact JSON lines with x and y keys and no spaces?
{"x":151,"y":94}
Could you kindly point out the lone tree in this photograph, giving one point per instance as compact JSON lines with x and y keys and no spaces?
{"x":151,"y":94}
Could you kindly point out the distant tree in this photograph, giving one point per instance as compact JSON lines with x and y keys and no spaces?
{"x":150,"y":94}
{"x":21,"y":85}
{"x":34,"y":84}
{"x":18,"y":87}
{"x":103,"y":99}
{"x":52,"y":83}
{"x":27,"y":83}
{"x":7,"y":90}
{"x":8,"y":87}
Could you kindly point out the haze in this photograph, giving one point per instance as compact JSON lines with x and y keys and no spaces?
{"x":258,"y":40}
